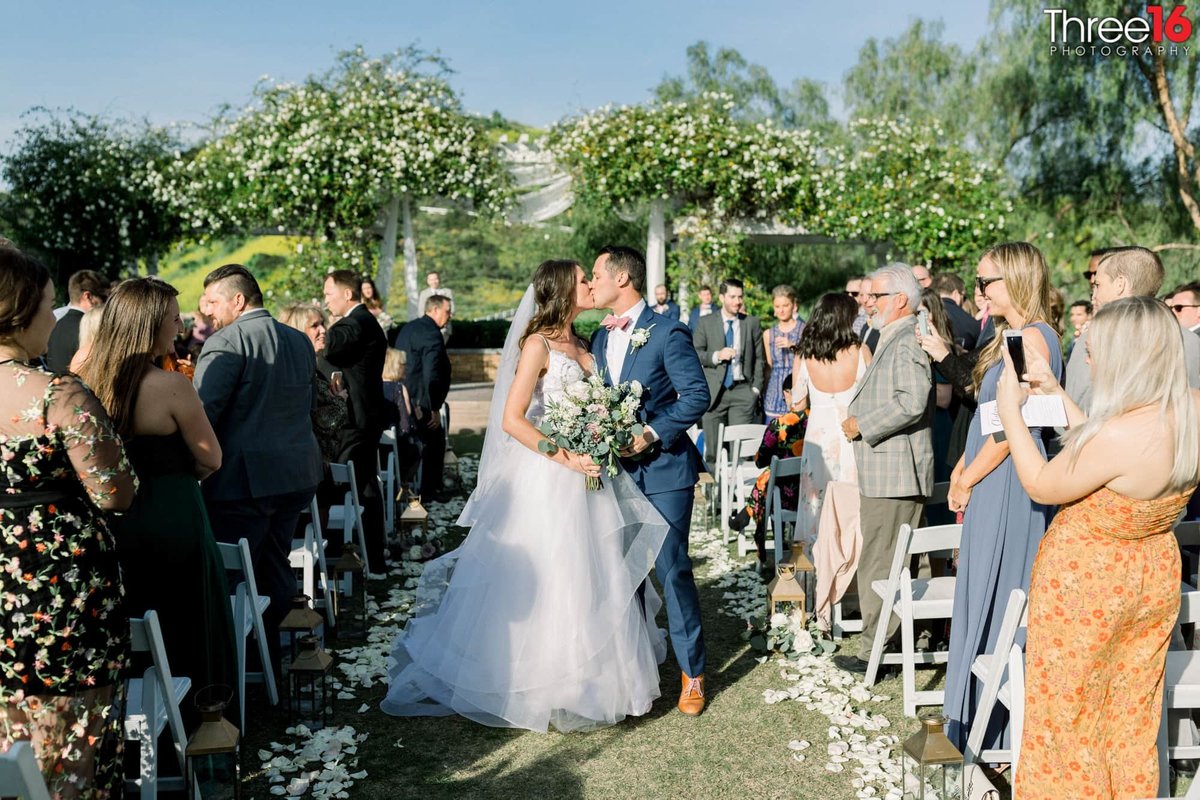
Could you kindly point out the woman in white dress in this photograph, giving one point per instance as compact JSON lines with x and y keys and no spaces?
{"x":539,"y":619}
{"x":830,"y":360}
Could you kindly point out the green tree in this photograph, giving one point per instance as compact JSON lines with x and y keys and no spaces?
{"x":82,"y":192}
{"x":344,"y":157}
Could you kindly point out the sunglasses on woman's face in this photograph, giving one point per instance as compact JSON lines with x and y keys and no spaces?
{"x":982,"y":283}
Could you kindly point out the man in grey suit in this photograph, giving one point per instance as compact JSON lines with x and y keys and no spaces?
{"x":255,"y":379}
{"x":890,"y":423}
{"x":730,"y":346}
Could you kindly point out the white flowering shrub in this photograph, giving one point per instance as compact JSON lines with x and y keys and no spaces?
{"x":83,"y":192}
{"x":325,"y":156}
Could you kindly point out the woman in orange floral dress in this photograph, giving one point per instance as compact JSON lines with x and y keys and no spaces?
{"x":1105,"y":588}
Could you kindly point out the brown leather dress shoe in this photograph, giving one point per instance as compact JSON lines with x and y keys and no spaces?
{"x":691,"y":699}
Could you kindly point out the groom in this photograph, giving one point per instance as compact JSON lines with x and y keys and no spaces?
{"x":636,"y":344}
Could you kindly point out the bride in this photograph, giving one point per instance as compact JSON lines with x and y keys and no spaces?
{"x":538,"y":618}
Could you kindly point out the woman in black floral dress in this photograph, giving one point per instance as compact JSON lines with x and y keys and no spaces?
{"x":63,"y":635}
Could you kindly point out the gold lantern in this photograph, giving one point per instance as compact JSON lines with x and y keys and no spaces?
{"x":351,"y":564}
{"x":309,"y":687}
{"x":932,"y":764}
{"x":414,"y":516}
{"x":300,"y":619}
{"x":217,"y":739}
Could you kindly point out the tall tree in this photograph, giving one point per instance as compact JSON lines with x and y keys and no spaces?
{"x":82,"y":192}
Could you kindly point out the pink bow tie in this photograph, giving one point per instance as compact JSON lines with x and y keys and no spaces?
{"x":616,"y":323}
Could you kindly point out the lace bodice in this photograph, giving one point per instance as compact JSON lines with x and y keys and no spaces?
{"x":561,"y":372}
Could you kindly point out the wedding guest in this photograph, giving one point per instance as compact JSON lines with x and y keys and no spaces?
{"x":702,"y":308}
{"x":169,"y":559}
{"x":953,"y":292}
{"x":1185,"y":302}
{"x":854,"y":290}
{"x":945,"y":405}
{"x":889,"y":422}
{"x":957,"y":367}
{"x":330,"y":410}
{"x":395,"y":370}
{"x":784,"y":437}
{"x":355,"y":345}
{"x":1002,"y":525}
{"x":428,"y":384}
{"x":829,"y":363}
{"x":375,"y":304}
{"x":434,"y":288}
{"x":1080,"y":314}
{"x":778,"y":345}
{"x":730,"y":346}
{"x":254,"y":378}
{"x":66,"y":640}
{"x":1117,"y":272}
{"x":663,"y":304}
{"x":86,"y":290}
{"x":1104,"y":592}
{"x":87,"y":332}
{"x":923,"y":276}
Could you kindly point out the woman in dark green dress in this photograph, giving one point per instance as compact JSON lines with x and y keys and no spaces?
{"x":169,"y":558}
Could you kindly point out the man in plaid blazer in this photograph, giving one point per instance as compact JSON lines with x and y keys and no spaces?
{"x":890,"y":423}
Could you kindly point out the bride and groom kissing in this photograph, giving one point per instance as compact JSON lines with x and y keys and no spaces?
{"x":545,"y":615}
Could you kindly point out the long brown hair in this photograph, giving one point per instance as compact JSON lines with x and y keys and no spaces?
{"x":123,"y":349}
{"x":1028,"y":283}
{"x":554,"y":293}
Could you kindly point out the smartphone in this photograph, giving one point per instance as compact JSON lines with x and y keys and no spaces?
{"x":923,"y":321}
{"x":335,"y":382}
{"x":1016,"y":350}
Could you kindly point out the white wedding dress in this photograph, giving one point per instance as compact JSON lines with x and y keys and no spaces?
{"x":536,"y":620}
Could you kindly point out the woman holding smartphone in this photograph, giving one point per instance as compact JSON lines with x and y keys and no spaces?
{"x":1002,"y":526}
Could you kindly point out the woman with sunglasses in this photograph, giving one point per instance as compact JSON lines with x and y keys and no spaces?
{"x":1002,"y":526}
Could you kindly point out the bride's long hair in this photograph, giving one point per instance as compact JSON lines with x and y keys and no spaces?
{"x":554,"y":292}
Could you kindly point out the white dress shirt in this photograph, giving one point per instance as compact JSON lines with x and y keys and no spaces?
{"x":735,"y":363}
{"x":618,"y":346}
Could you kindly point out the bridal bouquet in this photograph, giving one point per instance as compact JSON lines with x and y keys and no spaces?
{"x":593,"y":419}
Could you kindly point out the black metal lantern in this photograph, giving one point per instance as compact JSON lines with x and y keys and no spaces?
{"x":217,"y":741}
{"x":301,"y":619}
{"x":310,"y":693}
{"x":349,"y":565}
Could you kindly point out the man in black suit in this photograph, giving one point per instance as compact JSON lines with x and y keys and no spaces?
{"x":428,"y":383}
{"x":730,"y":346}
{"x":965,"y":328}
{"x":703,"y":308}
{"x":356,"y":346}
{"x":85,"y":290}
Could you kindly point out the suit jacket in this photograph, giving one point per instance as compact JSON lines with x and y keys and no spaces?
{"x":964,"y":327}
{"x":870,"y":337}
{"x":428,"y":375}
{"x":255,"y":379}
{"x":709,"y":337}
{"x":894,"y":408}
{"x":672,"y":311}
{"x":694,"y":315}
{"x":356,"y":345}
{"x":674,"y":398}
{"x":64,"y":341}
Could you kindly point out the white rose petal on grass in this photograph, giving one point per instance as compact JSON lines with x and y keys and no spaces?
{"x":798,"y":744}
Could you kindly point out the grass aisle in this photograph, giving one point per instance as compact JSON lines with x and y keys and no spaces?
{"x":738,"y":749}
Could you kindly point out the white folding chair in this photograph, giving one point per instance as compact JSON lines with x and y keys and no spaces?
{"x":151,"y":706}
{"x":348,"y":516}
{"x":314,"y":544}
{"x":736,"y":473}
{"x":389,"y":477}
{"x":1181,"y":690}
{"x":776,"y":516}
{"x":19,"y":774}
{"x":248,"y":607}
{"x":992,"y":670}
{"x":912,"y":599}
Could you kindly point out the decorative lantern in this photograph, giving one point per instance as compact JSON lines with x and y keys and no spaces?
{"x":300,"y":619}
{"x":932,"y":764}
{"x":451,"y":470}
{"x":345,"y":568}
{"x":785,"y":586}
{"x":414,"y":516}
{"x":217,"y":739}
{"x":309,"y":689}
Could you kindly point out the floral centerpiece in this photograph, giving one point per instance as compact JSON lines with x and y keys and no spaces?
{"x":593,"y":419}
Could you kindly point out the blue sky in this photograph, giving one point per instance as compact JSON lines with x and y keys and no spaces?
{"x":535,"y":62}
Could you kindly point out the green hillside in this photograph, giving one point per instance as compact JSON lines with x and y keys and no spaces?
{"x":186,"y":267}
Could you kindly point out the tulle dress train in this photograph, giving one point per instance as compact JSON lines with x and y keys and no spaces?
{"x":543,"y":617}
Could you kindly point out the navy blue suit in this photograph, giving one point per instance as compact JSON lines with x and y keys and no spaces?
{"x":675,"y":397}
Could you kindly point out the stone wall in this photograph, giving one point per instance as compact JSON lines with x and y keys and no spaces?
{"x":474,"y":365}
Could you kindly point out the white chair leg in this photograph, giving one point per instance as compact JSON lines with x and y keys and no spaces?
{"x":885,"y":616}
{"x":149,"y":766}
{"x":908,"y":646}
{"x":1016,"y":714}
{"x":239,"y":616}
{"x":264,"y":653}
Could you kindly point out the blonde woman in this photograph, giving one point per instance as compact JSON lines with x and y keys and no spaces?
{"x":330,"y":413}
{"x":1104,"y":593}
{"x":87,"y":332}
{"x":1002,"y":526}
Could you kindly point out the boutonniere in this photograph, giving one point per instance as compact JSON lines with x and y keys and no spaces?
{"x":639,"y":337}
